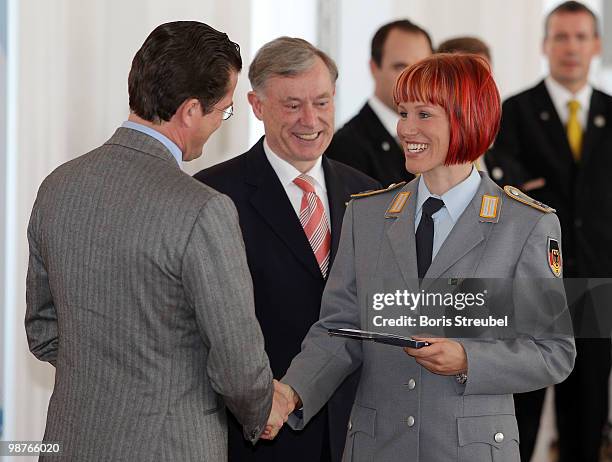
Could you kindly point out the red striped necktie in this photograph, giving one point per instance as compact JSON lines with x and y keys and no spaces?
{"x":314,"y":222}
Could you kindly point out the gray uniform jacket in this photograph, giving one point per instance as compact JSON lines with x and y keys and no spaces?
{"x":138,"y":292}
{"x":402,"y":411}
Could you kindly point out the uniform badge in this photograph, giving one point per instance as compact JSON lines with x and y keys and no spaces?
{"x":555,"y":261}
{"x":599,"y":121}
{"x":488,"y":206}
{"x":398,"y":204}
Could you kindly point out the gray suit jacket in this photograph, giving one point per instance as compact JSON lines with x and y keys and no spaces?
{"x":401,"y":409}
{"x":138,"y":292}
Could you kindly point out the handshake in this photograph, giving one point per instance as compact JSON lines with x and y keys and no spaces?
{"x":284,"y":402}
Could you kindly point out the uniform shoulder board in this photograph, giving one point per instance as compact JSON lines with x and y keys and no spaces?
{"x":520,"y":196}
{"x":374,"y":192}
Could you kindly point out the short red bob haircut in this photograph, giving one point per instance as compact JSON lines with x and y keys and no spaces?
{"x":463,"y":85}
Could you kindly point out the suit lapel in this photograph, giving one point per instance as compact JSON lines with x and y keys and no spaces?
{"x":337,"y":195}
{"x":595,"y":126}
{"x":469,"y":231}
{"x":559,"y":156}
{"x":270,"y":200}
{"x":402,"y":240}
{"x":385,"y":141}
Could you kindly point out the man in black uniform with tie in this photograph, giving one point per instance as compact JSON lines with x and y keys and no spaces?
{"x":368,"y":142}
{"x":556,"y":142}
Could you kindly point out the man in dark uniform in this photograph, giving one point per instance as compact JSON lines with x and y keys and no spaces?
{"x":556,"y":142}
{"x":291,"y":201}
{"x":368,"y":141}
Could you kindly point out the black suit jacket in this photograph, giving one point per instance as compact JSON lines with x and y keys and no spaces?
{"x":532,"y":143}
{"x":365,"y":144}
{"x":288,"y":287}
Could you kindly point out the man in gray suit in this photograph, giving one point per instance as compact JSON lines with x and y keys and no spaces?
{"x":138,"y":289}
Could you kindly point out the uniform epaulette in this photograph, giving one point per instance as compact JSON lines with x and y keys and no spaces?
{"x":391,"y":187}
{"x":520,"y":196}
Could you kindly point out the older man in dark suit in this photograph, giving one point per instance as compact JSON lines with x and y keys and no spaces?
{"x":291,"y":201}
{"x":138,"y":289}
{"x":555,"y":142}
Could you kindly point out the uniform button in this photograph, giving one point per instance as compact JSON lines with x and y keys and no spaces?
{"x":411,"y":384}
{"x":385,"y":146}
{"x":410,"y":421}
{"x":578,"y":223}
{"x":499,"y":437}
{"x":350,"y":425}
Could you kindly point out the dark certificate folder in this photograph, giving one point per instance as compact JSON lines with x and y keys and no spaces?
{"x":389,"y":339}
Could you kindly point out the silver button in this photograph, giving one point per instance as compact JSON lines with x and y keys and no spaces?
{"x":599,"y":121}
{"x":411,"y":384}
{"x":410,"y":421}
{"x":385,"y":146}
{"x":499,"y":437}
{"x":497,"y":173}
{"x":350,"y":425}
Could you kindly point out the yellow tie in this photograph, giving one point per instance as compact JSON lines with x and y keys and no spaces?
{"x":574,"y":130}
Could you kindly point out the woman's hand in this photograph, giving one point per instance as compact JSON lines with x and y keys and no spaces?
{"x":443,"y":356}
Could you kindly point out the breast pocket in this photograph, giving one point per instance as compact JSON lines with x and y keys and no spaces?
{"x":488,"y":438}
{"x":361,"y":437}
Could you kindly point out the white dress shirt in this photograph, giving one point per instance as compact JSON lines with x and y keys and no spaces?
{"x":561,"y":96}
{"x":455,"y":200}
{"x":387,"y":116}
{"x":286,"y":173}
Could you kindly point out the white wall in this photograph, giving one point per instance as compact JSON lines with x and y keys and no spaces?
{"x":3,"y":94}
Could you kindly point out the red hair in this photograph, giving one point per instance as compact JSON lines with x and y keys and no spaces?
{"x":463,"y":85}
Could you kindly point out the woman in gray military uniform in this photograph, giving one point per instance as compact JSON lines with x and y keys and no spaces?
{"x":451,"y":400}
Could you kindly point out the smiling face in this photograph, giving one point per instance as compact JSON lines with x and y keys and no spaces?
{"x":570,"y":45}
{"x":298,"y":114}
{"x":424,"y":132}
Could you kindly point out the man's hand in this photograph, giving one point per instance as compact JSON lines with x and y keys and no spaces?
{"x":443,"y":356}
{"x":284,"y":402}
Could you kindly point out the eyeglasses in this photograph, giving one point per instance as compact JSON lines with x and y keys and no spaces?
{"x":227,"y":113}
